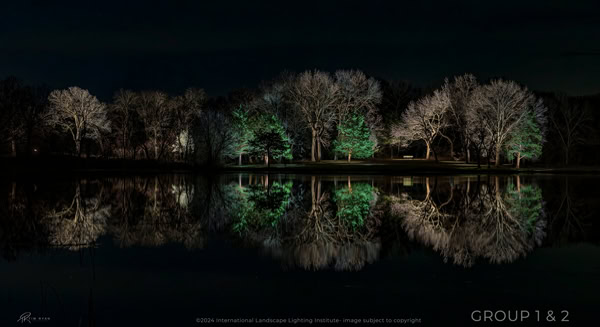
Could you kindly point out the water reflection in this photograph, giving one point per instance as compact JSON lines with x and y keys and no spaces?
{"x":313,"y":229}
{"x":496,"y":222}
{"x":307,"y":222}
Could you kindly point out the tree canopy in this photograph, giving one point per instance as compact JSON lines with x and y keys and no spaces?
{"x":354,"y":138}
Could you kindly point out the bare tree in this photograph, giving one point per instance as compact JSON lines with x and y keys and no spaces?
{"x":12,"y":100}
{"x":423,"y":120}
{"x":476,"y":134}
{"x":77,"y":111}
{"x":396,"y":97}
{"x":188,"y":109}
{"x":156,"y":112}
{"x":502,"y":105}
{"x":358,"y":94}
{"x":123,"y":109}
{"x":460,"y":91}
{"x":315,"y":95}
{"x":570,"y":121}
{"x":211,"y":137}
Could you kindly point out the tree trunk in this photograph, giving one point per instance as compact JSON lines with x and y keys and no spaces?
{"x":240,"y":160}
{"x":155,"y":145}
{"x":479,"y":159}
{"x":312,"y":145}
{"x":267,"y":159}
{"x":78,"y":148}
{"x":518,"y":159}
{"x":77,"y":140}
{"x":427,"y":153}
{"x":497,"y":156}
{"x":468,"y":152}
{"x":349,"y":156}
{"x":319,"y":149}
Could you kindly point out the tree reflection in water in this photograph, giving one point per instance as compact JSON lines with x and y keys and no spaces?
{"x":310,"y":235}
{"x":309,"y":222}
{"x":156,"y":211}
{"x":79,"y":224}
{"x":496,"y":222}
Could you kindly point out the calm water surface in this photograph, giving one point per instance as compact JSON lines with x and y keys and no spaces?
{"x":165,"y":250}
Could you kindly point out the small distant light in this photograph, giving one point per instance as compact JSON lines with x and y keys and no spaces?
{"x":34,"y":150}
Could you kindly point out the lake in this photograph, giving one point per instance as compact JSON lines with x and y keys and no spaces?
{"x":174,"y":249}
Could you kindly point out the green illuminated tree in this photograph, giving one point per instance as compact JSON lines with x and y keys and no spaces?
{"x":269,"y":139}
{"x":241,"y":134}
{"x":354,"y":138}
{"x":526,"y":141}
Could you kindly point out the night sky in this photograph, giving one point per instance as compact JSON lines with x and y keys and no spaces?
{"x":223,"y":45}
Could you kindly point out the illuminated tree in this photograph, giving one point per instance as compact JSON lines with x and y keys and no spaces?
{"x":77,"y":111}
{"x":315,"y":94}
{"x":359,"y":95}
{"x":188,"y":107}
{"x":460,"y":91}
{"x":354,"y":138}
{"x":241,"y":134}
{"x":423,"y":120}
{"x":476,"y":134}
{"x":156,"y":112}
{"x":396,"y":97}
{"x":126,"y":123}
{"x":269,"y":139}
{"x":502,"y":105}
{"x":526,"y":141}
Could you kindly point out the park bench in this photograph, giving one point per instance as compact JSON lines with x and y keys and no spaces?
{"x":407,"y":157}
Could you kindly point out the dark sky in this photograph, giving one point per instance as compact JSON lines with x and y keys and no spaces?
{"x":222,"y":45}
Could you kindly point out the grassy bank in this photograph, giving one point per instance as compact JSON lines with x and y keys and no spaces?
{"x":66,"y":164}
{"x":415,"y":166}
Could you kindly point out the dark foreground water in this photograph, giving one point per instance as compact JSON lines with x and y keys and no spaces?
{"x":171,"y":250}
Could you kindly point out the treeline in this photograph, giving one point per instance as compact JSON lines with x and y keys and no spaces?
{"x":313,"y":115}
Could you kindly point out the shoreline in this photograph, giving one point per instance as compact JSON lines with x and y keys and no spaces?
{"x":71,"y":165}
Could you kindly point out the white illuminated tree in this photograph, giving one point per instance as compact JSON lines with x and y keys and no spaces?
{"x":502,"y":105}
{"x":423,"y":120}
{"x":77,"y":111}
{"x":315,"y":94}
{"x":156,"y":112}
{"x":460,"y":91}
